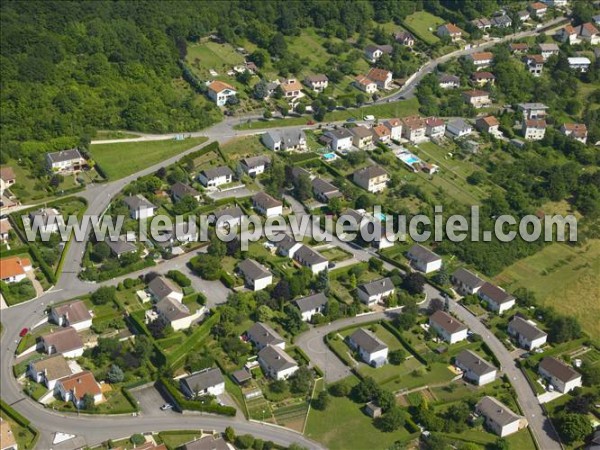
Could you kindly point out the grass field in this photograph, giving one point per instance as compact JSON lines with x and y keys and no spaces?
{"x":562,"y":276}
{"x":211,"y":55}
{"x":122,"y":159}
{"x":420,"y":22}
{"x":175,"y":439}
{"x":243,"y":147}
{"x":343,"y":425}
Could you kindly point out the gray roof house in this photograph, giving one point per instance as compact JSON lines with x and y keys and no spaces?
{"x":276,"y":363}
{"x":261,"y":335}
{"x":447,"y":327}
{"x":277,"y":140}
{"x":180,"y":190}
{"x":255,"y":165}
{"x":139,"y":206}
{"x":497,"y":299}
{"x":424,"y":259}
{"x":120,"y":246}
{"x":373,"y":292}
{"x":204,"y":382}
{"x":498,"y":417}
{"x":216,"y":176}
{"x":310,"y":258}
{"x":324,"y":191}
{"x":466,"y":282}
{"x":161,"y":287}
{"x":372,"y":350}
{"x":528,"y":335}
{"x":256,"y":275}
{"x":231,"y":216}
{"x":311,"y":305}
{"x":475,"y":368}
{"x":210,"y":442}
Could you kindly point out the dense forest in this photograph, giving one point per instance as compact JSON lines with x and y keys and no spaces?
{"x":69,"y":68}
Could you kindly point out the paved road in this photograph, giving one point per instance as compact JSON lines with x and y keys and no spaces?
{"x":542,"y":428}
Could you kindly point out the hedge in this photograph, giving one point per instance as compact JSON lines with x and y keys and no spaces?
{"x":191,"y":405}
{"x":404,"y":342}
{"x":21,"y":420}
{"x":44,"y":267}
{"x":486,"y":348}
{"x":191,"y":343}
{"x":227,"y":279}
{"x":393,"y":262}
{"x":130,"y":398}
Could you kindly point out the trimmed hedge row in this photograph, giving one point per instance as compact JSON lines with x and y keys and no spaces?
{"x":191,"y":405}
{"x":191,"y":343}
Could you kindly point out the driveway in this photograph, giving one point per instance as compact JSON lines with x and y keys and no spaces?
{"x":150,"y":400}
{"x":238,"y":192}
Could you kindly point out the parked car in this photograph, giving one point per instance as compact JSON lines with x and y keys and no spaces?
{"x":23,"y":332}
{"x":166,"y":407}
{"x":310,"y":122}
{"x":369,"y":117}
{"x":351,"y":119}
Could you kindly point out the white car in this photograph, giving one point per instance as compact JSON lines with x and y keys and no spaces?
{"x":369,"y":117}
{"x":166,"y":407}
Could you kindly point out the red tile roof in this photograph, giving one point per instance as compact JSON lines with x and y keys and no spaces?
{"x":13,"y":266}
{"x":220,"y":86}
{"x":378,"y":75}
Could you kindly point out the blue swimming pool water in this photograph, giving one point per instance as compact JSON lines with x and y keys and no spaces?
{"x":381,"y":216}
{"x":410,"y":159}
{"x":329,"y":156}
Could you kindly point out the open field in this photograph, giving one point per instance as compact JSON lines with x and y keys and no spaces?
{"x":420,"y":22}
{"x":243,"y":147}
{"x":343,"y":425}
{"x":122,"y":159}
{"x":211,"y":55}
{"x":564,"y":277}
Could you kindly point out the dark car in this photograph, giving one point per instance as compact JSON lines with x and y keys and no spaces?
{"x":351,"y":119}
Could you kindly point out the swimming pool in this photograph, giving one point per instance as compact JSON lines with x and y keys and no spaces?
{"x":409,"y":158}
{"x":329,"y":156}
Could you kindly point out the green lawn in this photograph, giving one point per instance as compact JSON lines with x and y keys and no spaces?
{"x":562,"y":276}
{"x":211,"y":55}
{"x":175,"y":439}
{"x":125,"y":158}
{"x":24,"y":437}
{"x":420,"y":23}
{"x":243,"y":147}
{"x":336,"y":254}
{"x":343,"y":426}
{"x":114,"y":134}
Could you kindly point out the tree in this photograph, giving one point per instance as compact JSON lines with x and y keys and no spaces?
{"x":385,"y":399}
{"x":301,"y":380}
{"x":261,"y":91}
{"x":397,"y":357}
{"x":322,"y":401}
{"x":230,"y":434}
{"x":179,"y":278}
{"x":137,"y":439}
{"x":244,"y":441}
{"x":436,"y":304}
{"x":267,"y":114}
{"x":104,"y":295}
{"x":244,"y":77}
{"x":264,"y":313}
{"x":142,"y":346}
{"x":207,"y":266}
{"x":391,"y":420}
{"x":573,"y":427}
{"x":564,"y":328}
{"x":414,"y":283}
{"x":100,"y":252}
{"x":300,"y":108}
{"x":185,"y":205}
{"x":115,"y":374}
{"x":259,"y":57}
{"x":278,"y":386}
{"x":375,"y":264}
{"x":303,"y":187}
{"x":340,"y":389}
{"x":88,"y":402}
{"x":441,"y":277}
{"x":293,"y":321}
{"x":365,"y":391}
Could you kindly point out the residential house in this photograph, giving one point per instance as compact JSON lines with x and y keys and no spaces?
{"x":63,"y":340}
{"x":287,"y":246}
{"x":534,"y":129}
{"x":220,"y":92}
{"x":527,"y":333}
{"x":7,"y":178}
{"x":374,"y":52}
{"x":450,"y":30}
{"x":488,"y":124}
{"x":477,"y":98}
{"x":568,"y":34}
{"x":182,"y":232}
{"x":498,"y":417}
{"x":267,"y":205}
{"x":180,"y":190}
{"x":577,"y":131}
{"x":394,"y":127}
{"x":556,"y":3}
{"x":276,"y":363}
{"x":466,"y":282}
{"x":446,"y":81}
{"x":483,"y":78}
{"x":75,"y":387}
{"x":324,"y":191}
{"x":216,"y":176}
{"x":561,"y":376}
{"x":74,"y":314}
{"x":579,"y":63}
{"x":262,"y":335}
{"x":318,"y":83}
{"x":457,"y":128}
{"x":518,"y":47}
{"x":255,"y":165}
{"x":7,"y":437}
{"x":48,"y":220}
{"x":589,"y":33}
{"x":229,"y":217}
{"x":482,"y":24}
{"x":447,"y":327}
{"x":365,"y":84}
{"x":375,"y":291}
{"x":139,"y":207}
{"x":341,"y":139}
{"x":49,"y":370}
{"x":361,"y":137}
{"x":308,"y":257}
{"x":5,"y":229}
{"x":404,"y":38}
{"x":533,"y":110}
{"x":424,"y":259}
{"x":535,"y":64}
{"x":381,"y":77}
{"x":548,"y":50}
{"x":174,"y":313}
{"x":497,"y":299}
{"x":371,"y":178}
{"x":311,"y":305}
{"x":161,"y":287}
{"x":538,"y":9}
{"x":210,"y":442}
{"x":285,"y":140}
{"x":291,"y":88}
{"x":381,"y":133}
{"x":119,"y":246}
{"x":435,"y":127}
{"x":372,"y":350}
{"x":475,"y":368}
{"x":65,"y":161}
{"x":523,"y":15}
{"x":414,"y":129}
{"x":481,"y":59}
{"x":14,"y":269}
{"x":503,"y":21}
{"x":256,"y":275}
{"x":205,"y":382}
